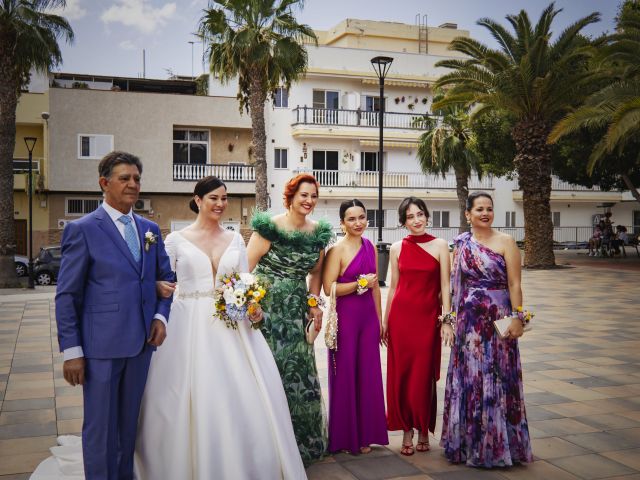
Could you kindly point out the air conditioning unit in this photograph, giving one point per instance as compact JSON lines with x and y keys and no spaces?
{"x":142,"y":205}
{"x":62,"y":223}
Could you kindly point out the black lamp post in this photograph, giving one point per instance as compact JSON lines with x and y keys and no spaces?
{"x":381,"y":65}
{"x":31,"y":143}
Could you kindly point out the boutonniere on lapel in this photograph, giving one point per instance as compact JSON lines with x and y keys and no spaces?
{"x":150,"y":238}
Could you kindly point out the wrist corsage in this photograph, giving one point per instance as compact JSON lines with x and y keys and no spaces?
{"x":362,"y":284}
{"x":525,"y":316}
{"x":447,"y":319}
{"x":150,"y":238}
{"x":314,"y":300}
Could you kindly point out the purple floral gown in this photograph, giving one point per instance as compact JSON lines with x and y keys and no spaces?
{"x":484,"y":421}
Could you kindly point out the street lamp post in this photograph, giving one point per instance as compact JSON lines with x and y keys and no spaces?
{"x":31,"y":143}
{"x":191,"y":42}
{"x":381,"y":65}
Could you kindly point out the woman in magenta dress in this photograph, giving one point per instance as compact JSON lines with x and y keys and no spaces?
{"x":418,"y":291}
{"x":356,"y":398}
{"x":484,"y":421}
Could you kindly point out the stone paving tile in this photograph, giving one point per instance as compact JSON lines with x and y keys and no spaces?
{"x":21,"y":463}
{"x":608,"y":421}
{"x":555,"y":447}
{"x":562,"y":426}
{"x":18,"y":476}
{"x":592,"y":466}
{"x":69,"y":413}
{"x":70,"y":427}
{"x":27,"y":416}
{"x":538,"y":470}
{"x":601,"y":441}
{"x":23,"y":430}
{"x":380,"y":468}
{"x":629,"y":458}
{"x":329,"y":471}
{"x":33,"y":404}
{"x":26,"y":445}
{"x":469,"y":474}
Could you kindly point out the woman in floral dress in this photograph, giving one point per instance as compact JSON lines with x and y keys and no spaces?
{"x":484,"y":421}
{"x":286,"y":249}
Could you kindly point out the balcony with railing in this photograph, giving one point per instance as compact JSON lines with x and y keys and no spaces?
{"x":359,"y":118}
{"x":561,"y":185}
{"x":408,"y":180}
{"x":21,"y":169}
{"x":192,"y":172}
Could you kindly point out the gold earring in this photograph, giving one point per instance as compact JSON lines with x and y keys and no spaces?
{"x":343,"y":228}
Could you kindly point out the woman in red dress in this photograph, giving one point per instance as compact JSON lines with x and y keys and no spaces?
{"x":419,"y":290}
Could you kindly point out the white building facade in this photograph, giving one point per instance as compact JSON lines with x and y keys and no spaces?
{"x":327,"y":125}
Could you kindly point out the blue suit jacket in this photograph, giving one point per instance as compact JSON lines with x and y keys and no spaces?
{"x":105,"y":300}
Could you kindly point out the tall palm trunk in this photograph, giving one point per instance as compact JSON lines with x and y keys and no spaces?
{"x":257,"y":99}
{"x":8,"y":104}
{"x":533,"y":164}
{"x":462,"y":190}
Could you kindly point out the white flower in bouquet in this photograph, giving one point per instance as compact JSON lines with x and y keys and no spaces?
{"x":229,"y":295}
{"x":239,"y":297}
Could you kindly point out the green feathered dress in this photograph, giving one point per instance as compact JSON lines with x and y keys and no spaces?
{"x":286,"y":266}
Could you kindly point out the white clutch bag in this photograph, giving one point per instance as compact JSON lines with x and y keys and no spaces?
{"x":502,"y":325}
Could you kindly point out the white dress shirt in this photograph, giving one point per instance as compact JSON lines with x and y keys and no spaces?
{"x":114,"y":215}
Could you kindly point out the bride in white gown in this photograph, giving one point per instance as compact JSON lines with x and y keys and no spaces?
{"x":214,"y":406}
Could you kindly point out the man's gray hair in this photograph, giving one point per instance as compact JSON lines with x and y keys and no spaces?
{"x":110,"y":160}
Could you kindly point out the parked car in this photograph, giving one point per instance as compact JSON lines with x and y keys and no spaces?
{"x":22,"y":265}
{"x":47,"y":265}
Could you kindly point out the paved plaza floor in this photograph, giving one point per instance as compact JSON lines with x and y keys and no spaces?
{"x":581,"y":367}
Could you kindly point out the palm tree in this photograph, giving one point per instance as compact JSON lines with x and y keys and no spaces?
{"x":28,"y":40}
{"x":616,"y":106}
{"x":534,"y":80}
{"x":448,"y":146}
{"x":260,"y":43}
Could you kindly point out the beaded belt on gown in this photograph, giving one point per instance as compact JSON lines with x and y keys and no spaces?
{"x":196,"y":294}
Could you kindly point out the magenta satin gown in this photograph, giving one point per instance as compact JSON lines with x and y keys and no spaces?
{"x":356,"y":398}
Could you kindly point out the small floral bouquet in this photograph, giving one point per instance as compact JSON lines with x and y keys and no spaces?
{"x":448,"y":318}
{"x":525,"y":316}
{"x":238,"y":298}
{"x":363,"y":284}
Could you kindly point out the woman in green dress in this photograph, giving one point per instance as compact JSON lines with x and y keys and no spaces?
{"x":286,"y":249}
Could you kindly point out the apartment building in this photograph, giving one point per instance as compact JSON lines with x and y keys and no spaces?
{"x":327,"y":124}
{"x":179,"y":135}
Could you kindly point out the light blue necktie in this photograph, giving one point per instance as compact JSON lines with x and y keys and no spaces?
{"x":130,"y":237}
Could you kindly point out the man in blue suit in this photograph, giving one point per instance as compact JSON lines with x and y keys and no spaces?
{"x":109,"y":317}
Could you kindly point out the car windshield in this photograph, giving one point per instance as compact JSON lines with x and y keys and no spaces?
{"x":55,"y":253}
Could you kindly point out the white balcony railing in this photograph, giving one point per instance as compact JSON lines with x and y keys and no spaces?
{"x":193,"y":172}
{"x":557,"y":184}
{"x":358,"y":179}
{"x":359,"y":118}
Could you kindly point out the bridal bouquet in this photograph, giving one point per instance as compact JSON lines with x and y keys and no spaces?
{"x":237,"y":297}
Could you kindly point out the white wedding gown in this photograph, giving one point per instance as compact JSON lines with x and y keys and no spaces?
{"x":214,"y":406}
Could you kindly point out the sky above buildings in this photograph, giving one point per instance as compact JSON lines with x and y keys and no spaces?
{"x":111,"y":34}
